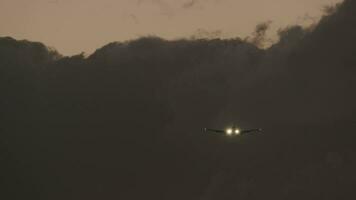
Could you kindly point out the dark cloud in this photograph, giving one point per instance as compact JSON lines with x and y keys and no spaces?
{"x":189,"y":4}
{"x":259,"y":37}
{"x":330,"y":9}
{"x":125,"y":122}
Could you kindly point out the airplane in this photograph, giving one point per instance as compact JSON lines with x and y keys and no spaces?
{"x":233,"y":131}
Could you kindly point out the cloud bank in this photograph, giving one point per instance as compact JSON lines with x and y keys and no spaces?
{"x":125,"y":122}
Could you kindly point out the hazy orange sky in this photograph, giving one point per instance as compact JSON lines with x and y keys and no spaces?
{"x":73,"y":26}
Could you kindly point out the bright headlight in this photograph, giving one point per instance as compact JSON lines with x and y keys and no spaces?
{"x":237,"y":131}
{"x":229,"y":131}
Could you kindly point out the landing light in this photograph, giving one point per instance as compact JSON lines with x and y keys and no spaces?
{"x":229,"y":131}
{"x":237,"y":131}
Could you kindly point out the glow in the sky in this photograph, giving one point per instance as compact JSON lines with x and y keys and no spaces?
{"x":73,"y":26}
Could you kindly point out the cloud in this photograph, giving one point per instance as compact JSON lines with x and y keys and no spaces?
{"x":189,"y":4}
{"x":259,"y":35}
{"x":129,"y":116}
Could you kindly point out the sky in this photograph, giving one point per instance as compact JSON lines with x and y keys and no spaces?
{"x":75,"y":26}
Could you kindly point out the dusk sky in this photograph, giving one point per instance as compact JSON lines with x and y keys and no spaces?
{"x":74,"y":26}
{"x":142,"y":101}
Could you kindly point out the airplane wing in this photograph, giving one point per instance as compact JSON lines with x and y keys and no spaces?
{"x":250,"y":130}
{"x":214,"y":130}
